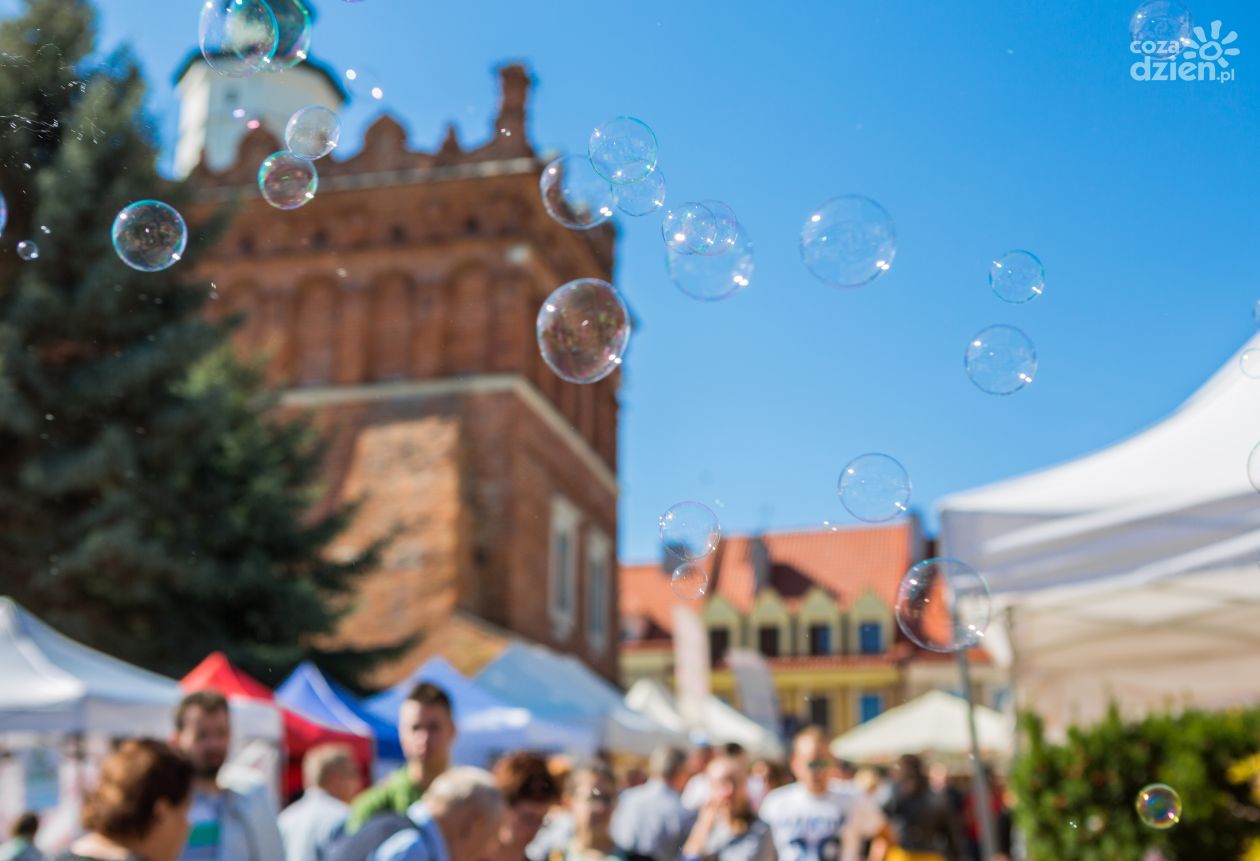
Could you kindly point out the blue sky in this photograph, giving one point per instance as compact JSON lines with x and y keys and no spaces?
{"x":981,"y":126}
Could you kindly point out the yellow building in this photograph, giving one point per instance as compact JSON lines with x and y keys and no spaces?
{"x":818,"y":606}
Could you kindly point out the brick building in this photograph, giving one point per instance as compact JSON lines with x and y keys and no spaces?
{"x":399,"y":307}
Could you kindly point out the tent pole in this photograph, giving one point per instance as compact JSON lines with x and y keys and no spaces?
{"x":979,"y":780}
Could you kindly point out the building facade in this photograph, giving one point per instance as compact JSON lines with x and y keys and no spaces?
{"x":399,"y":308}
{"x":818,"y":606}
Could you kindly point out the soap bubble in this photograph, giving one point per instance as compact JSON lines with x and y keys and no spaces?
{"x":1253,"y":468}
{"x":623,"y":150}
{"x":690,"y":228}
{"x":689,"y":581}
{"x":1165,"y":24}
{"x":149,"y":235}
{"x":28,"y":250}
{"x":238,"y":37}
{"x":690,"y":530}
{"x":1017,"y":276}
{"x":1158,"y":806}
{"x":713,"y":277}
{"x":312,"y":132}
{"x":583,"y":329}
{"x":293,"y":29}
{"x":643,"y":197}
{"x":288,"y":181}
{"x":726,"y":236}
{"x":364,"y":84}
{"x":1000,"y":360}
{"x":574,"y":194}
{"x":848,"y":241}
{"x":4,"y":213}
{"x":874,"y":487}
{"x":1249,"y":361}
{"x":943,"y":605}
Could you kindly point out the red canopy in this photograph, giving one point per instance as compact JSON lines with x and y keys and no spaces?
{"x":300,"y":734}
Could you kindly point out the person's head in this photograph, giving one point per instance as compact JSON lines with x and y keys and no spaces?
{"x":908,"y":775}
{"x":530,"y":791}
{"x":735,"y":750}
{"x":203,"y":731}
{"x":845,"y":770}
{"x":141,"y":800}
{"x":866,"y":780}
{"x":426,"y":728}
{"x":332,"y":768}
{"x":811,"y":761}
{"x":728,"y":787}
{"x":468,"y":809}
{"x":670,"y":765}
{"x":938,"y":776}
{"x":590,"y":796}
{"x":26,"y":826}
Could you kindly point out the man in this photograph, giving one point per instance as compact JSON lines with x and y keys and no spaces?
{"x":331,"y":780}
{"x":530,"y":792}
{"x":426,"y":729}
{"x":226,"y":826}
{"x":22,"y":845}
{"x":650,"y":820}
{"x":808,"y":821}
{"x":459,"y":820}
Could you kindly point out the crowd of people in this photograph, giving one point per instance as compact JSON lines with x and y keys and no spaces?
{"x":158,"y":801}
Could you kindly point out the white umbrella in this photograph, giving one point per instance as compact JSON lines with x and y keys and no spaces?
{"x":935,"y":723}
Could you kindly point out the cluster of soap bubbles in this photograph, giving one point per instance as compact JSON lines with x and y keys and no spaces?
{"x":1001,"y":359}
{"x":708,"y":254}
{"x":618,"y":172}
{"x":690,"y":532}
{"x":239,"y":38}
{"x":289,"y":179}
{"x":943,"y":605}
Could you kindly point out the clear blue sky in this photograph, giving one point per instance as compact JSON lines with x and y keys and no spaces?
{"x":981,"y":126}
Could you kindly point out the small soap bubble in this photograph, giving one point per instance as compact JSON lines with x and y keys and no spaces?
{"x":149,"y":235}
{"x":943,"y":605}
{"x":710,"y":278}
{"x":689,"y":581}
{"x":237,"y":37}
{"x":1017,"y":277}
{"x":874,"y":487}
{"x":690,"y":530}
{"x":690,"y":228}
{"x":1158,"y":806}
{"x":28,"y":250}
{"x":312,"y":132}
{"x":1162,"y":26}
{"x":1000,"y":360}
{"x":623,"y":150}
{"x":583,"y":330}
{"x":643,"y":197}
{"x":574,"y":194}
{"x":728,"y":228}
{"x":848,"y":241}
{"x":288,"y":181}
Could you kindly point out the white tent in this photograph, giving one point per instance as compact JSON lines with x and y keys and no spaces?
{"x":1129,"y":574}
{"x":561,"y":688}
{"x":54,"y":685}
{"x":935,"y":723}
{"x":719,"y":722}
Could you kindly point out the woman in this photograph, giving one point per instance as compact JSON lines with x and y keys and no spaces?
{"x":727,"y":829}
{"x":530,"y":792}
{"x":926,"y":826}
{"x":139,"y":809}
{"x":590,"y":796}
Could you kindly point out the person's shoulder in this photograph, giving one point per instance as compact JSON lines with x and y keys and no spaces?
{"x":396,"y":846}
{"x":778,"y":797}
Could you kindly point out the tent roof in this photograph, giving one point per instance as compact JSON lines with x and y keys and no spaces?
{"x":55,"y":684}
{"x":217,"y":672}
{"x":720,"y":722}
{"x":312,"y":694}
{"x":933,"y":723}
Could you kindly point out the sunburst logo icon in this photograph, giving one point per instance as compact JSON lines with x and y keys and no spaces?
{"x":1211,"y":50}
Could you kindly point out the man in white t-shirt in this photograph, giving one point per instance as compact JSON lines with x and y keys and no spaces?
{"x":810,"y":822}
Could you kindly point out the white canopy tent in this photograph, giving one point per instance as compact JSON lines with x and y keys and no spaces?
{"x":719,"y":722}
{"x":935,"y":723}
{"x":53,"y":684}
{"x":1129,"y":574}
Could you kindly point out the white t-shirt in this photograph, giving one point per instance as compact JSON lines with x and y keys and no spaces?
{"x":827,"y":827}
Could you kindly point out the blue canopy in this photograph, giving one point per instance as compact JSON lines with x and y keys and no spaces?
{"x":312,"y":694}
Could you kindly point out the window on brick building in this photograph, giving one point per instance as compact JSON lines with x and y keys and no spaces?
{"x":598,"y":564}
{"x":820,"y":639}
{"x":562,"y":565}
{"x":768,"y":640}
{"x":719,"y":644}
{"x":870,"y":706}
{"x":871,"y":638}
{"x":820,"y":712}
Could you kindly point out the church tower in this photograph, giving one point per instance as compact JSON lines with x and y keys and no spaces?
{"x":399,"y":307}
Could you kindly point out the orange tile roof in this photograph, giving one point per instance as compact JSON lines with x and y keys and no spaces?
{"x":843,"y":562}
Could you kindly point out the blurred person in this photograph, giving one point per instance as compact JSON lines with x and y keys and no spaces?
{"x":460,"y":819}
{"x":139,"y":810}
{"x":21,"y":843}
{"x":331,"y":780}
{"x":590,"y":798}
{"x":226,"y":825}
{"x":999,"y":813}
{"x":530,"y":792}
{"x":925,"y":826}
{"x":696,"y":791}
{"x":842,"y":776}
{"x":866,"y":781}
{"x":651,"y":819}
{"x":727,"y":829}
{"x":635,"y":776}
{"x":765,"y":776}
{"x":557,"y":828}
{"x":807,"y":820}
{"x":426,"y":729}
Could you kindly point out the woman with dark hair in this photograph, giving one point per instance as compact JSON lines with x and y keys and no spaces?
{"x":139,"y":809}
{"x":727,"y":829}
{"x":926,"y":826}
{"x":530,"y":792}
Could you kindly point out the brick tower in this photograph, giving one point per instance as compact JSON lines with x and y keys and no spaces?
{"x":399,"y":307}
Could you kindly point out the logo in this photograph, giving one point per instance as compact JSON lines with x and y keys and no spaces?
{"x":1202,"y":58}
